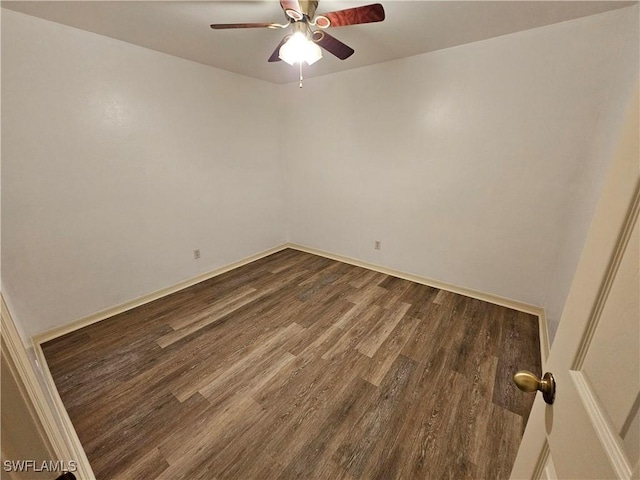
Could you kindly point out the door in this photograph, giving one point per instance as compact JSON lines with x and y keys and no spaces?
{"x":592,"y":430}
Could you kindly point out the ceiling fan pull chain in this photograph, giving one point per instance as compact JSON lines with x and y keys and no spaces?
{"x":301,"y":75}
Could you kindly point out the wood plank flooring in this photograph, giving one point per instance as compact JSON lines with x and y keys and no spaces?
{"x":300,"y":367}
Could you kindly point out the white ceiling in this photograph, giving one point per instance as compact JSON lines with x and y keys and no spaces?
{"x":181,"y":28}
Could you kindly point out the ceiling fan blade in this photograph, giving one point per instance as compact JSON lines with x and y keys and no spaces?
{"x":224,"y":26}
{"x":332,"y":45}
{"x":353,"y":16}
{"x":275,"y":55}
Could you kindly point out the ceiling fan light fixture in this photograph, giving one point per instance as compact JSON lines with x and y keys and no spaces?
{"x":299,"y":48}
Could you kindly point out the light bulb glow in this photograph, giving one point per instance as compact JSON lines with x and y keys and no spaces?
{"x":298,"y":48}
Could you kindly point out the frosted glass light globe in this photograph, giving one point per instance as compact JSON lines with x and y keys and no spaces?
{"x":300,"y":49}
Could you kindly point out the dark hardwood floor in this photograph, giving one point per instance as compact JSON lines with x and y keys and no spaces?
{"x":300,"y":367}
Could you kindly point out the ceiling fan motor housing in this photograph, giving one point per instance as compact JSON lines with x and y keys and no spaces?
{"x":308,"y":7}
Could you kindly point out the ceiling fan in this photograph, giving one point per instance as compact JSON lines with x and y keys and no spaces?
{"x":302,"y":45}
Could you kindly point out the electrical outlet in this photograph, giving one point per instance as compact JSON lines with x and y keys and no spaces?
{"x":196,"y":254}
{"x":378,"y":245}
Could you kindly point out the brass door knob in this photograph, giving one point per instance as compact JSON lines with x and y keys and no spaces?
{"x":530,"y":382}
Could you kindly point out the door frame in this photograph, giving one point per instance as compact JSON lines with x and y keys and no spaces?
{"x":62,"y":440}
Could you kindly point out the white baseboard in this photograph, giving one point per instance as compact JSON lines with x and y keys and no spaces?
{"x":56,"y":332}
{"x":486,"y":297}
{"x":545,"y":346}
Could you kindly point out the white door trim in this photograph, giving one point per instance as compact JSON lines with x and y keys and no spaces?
{"x":67,"y":447}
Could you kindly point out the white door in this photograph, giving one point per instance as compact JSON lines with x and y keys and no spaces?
{"x":592,"y":430}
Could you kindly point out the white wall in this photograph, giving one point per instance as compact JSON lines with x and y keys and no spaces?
{"x":478,"y":165}
{"x":118,"y":162}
